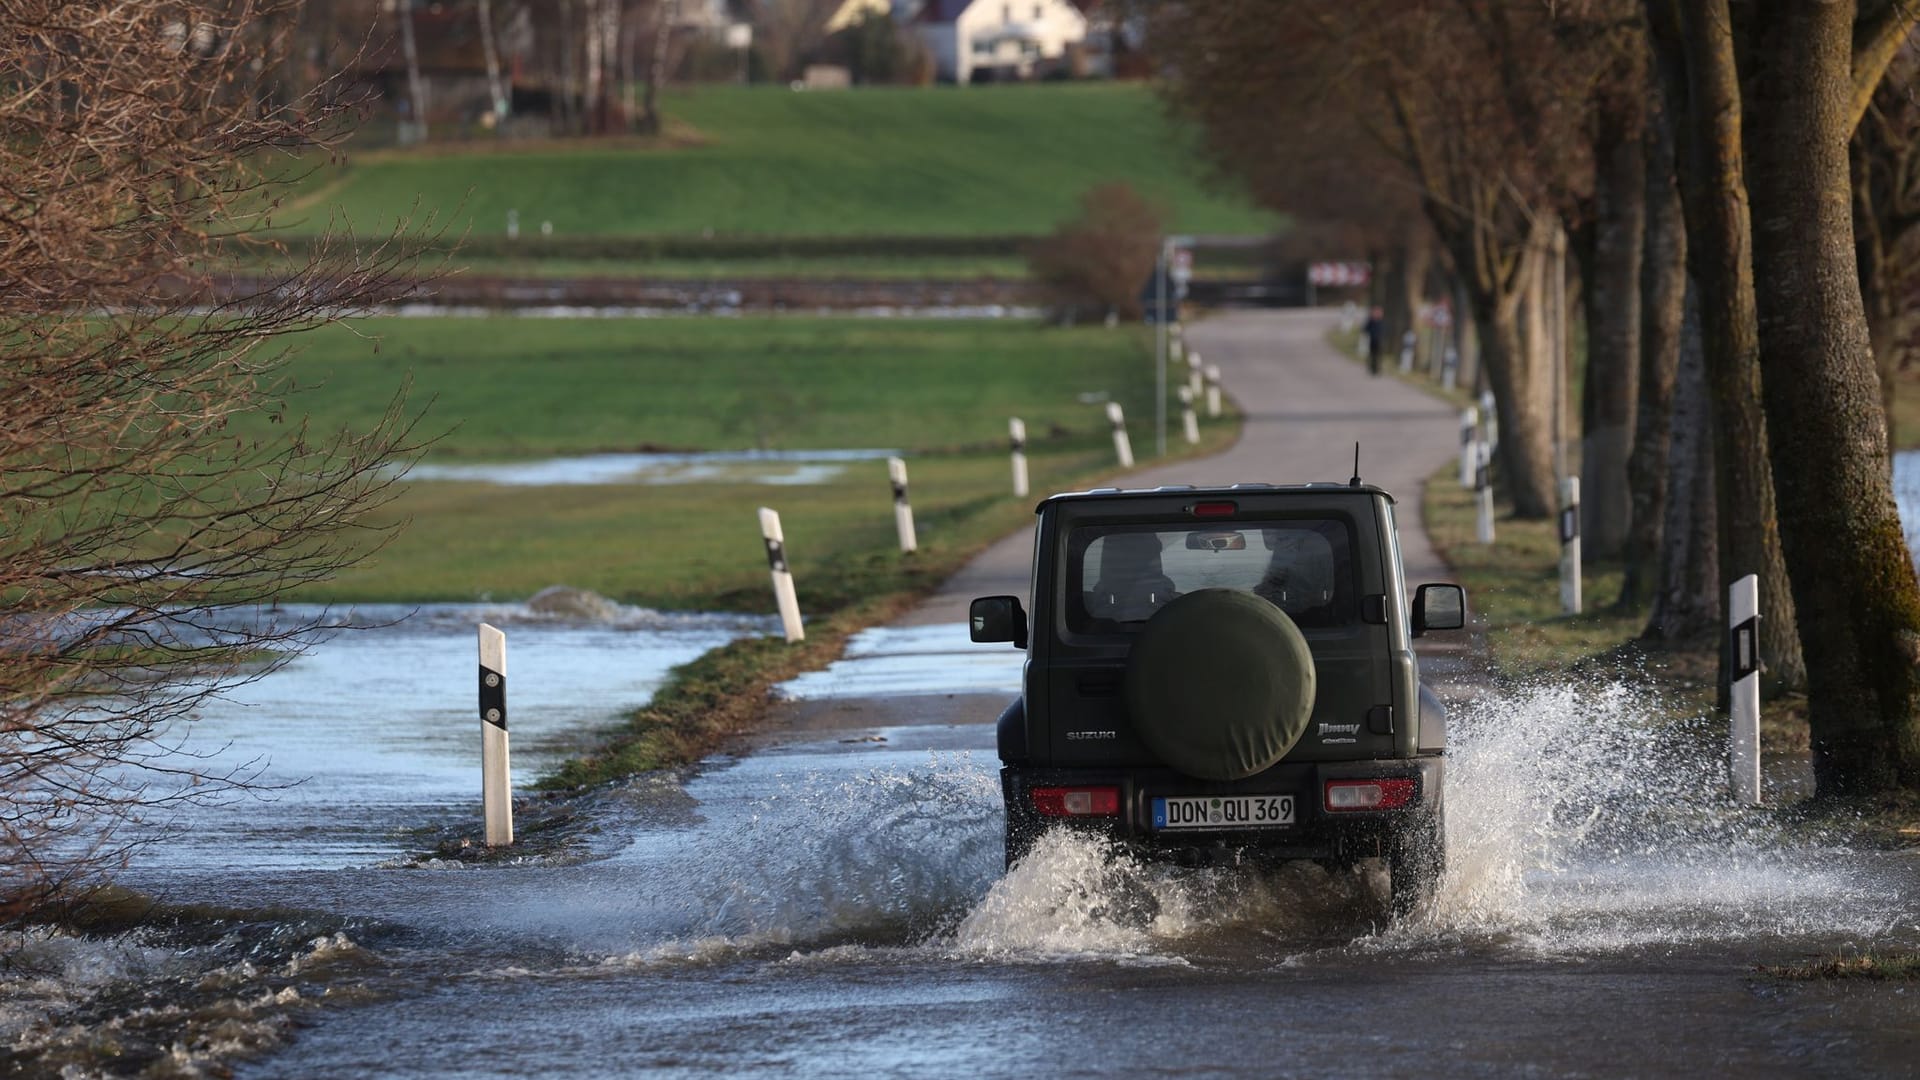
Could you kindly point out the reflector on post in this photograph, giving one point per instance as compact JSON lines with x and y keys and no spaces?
{"x":496,"y":787}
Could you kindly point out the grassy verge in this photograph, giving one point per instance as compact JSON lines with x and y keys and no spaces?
{"x":1515,"y":586}
{"x":721,"y":695}
{"x":1871,"y":966}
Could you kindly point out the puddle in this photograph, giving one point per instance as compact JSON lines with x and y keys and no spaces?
{"x":889,"y":662}
{"x":778,"y":468}
{"x":374,"y":732}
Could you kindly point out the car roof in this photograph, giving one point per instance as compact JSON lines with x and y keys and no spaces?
{"x":1318,"y":488}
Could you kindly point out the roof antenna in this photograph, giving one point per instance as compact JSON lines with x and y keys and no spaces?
{"x":1355,"y":482}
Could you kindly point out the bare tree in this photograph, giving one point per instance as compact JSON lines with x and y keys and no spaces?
{"x":1886,"y":217}
{"x":1474,"y":107}
{"x":143,"y":518}
{"x":1611,"y":273}
{"x":416,"y":126}
{"x":787,"y":30}
{"x":1702,"y":90}
{"x":496,"y":91}
{"x":1662,"y":292}
{"x":1810,"y":70}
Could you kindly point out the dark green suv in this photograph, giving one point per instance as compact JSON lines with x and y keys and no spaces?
{"x":1227,"y":672}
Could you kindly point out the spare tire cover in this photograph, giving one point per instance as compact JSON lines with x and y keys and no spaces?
{"x":1219,"y":684}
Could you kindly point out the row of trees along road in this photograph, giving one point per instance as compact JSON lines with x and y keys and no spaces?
{"x":146,"y":504}
{"x":1740,"y":182}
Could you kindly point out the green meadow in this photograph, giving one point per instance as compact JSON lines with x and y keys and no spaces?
{"x":1009,"y":160}
{"x":509,"y":389}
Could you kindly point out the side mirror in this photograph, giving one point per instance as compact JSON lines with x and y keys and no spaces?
{"x":1439,"y":607}
{"x":998,"y":618}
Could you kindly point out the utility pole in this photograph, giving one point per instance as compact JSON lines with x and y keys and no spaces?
{"x":1160,"y":348}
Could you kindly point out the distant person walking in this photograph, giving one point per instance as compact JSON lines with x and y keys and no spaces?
{"x":1376,"y":333}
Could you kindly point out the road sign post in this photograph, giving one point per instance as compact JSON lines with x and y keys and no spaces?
{"x":902,"y":509}
{"x":496,"y":768}
{"x":1122,"y":446}
{"x":784,"y":596}
{"x":1570,"y":545}
{"x":1743,"y":641}
{"x":1017,"y":439}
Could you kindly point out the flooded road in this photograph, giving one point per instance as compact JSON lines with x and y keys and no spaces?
{"x":834,"y":903}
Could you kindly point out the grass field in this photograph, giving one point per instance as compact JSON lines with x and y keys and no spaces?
{"x":528,"y":388}
{"x":766,"y":160}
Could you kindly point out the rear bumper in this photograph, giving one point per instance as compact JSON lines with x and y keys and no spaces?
{"x":1316,"y":832}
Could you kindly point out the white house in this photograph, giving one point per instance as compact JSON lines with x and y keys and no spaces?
{"x":1010,"y":38}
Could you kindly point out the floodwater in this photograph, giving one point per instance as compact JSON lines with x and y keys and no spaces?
{"x":777,"y":468}
{"x":836,"y":904}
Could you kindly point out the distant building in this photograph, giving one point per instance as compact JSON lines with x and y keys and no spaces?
{"x":993,"y":40}
{"x":854,"y":12}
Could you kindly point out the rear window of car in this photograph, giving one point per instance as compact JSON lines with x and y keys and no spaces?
{"x":1119,"y":575}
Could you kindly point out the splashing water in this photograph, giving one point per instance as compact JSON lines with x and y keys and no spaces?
{"x":1580,"y":818}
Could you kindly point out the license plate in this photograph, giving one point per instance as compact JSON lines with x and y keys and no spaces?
{"x":1223,"y":812}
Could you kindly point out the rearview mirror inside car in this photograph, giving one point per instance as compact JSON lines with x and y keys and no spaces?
{"x":1216,"y":540}
{"x":1439,"y":607}
{"x":998,"y":618}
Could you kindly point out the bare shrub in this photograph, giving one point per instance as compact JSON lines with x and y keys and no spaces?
{"x":1100,"y":262}
{"x":141,"y":532}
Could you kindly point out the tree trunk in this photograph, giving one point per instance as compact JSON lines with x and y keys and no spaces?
{"x":1686,"y":601}
{"x":1517,"y":371}
{"x":596,"y":66}
{"x":1855,"y":587}
{"x":1662,"y":293}
{"x":566,"y":101}
{"x":664,"y":12}
{"x":1495,"y":272}
{"x":1873,"y":263}
{"x":1613,"y":327}
{"x":1719,"y":239}
{"x":1405,"y":280}
{"x":416,"y":90}
{"x":501,"y":102}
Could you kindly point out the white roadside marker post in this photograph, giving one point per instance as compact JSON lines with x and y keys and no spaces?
{"x":1450,"y":368}
{"x":1493,"y":420}
{"x":1122,"y":446}
{"x":496,"y":775}
{"x":1469,"y":444}
{"x":1213,"y":391}
{"x":902,"y":509}
{"x":1483,"y":494}
{"x":1407,"y":342}
{"x":1570,"y":545}
{"x":1196,"y":379}
{"x":1017,"y":438}
{"x":1743,"y":625}
{"x":783,"y":594}
{"x":1189,"y":422}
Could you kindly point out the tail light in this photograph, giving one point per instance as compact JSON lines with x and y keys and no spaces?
{"x":1076,"y":801}
{"x":1368,"y":794}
